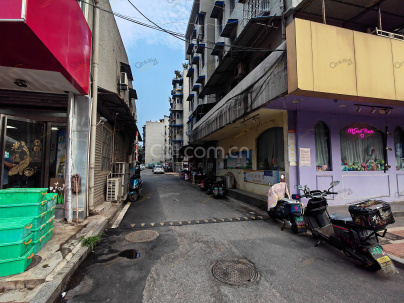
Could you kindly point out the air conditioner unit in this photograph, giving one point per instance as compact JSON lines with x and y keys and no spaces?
{"x":241,"y":70}
{"x":123,"y":82}
{"x":113,"y":189}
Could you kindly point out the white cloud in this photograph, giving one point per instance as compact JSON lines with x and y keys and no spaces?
{"x":171,"y":15}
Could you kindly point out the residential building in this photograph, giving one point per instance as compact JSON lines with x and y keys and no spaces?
{"x":199,"y":34}
{"x":179,"y":114}
{"x":315,"y":98}
{"x":156,"y":140}
{"x":48,"y":84}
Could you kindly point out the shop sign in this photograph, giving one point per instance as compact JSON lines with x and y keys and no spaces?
{"x":261,"y":177}
{"x":305,"y":158}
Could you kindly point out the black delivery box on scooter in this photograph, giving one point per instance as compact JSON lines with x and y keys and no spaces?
{"x":372,"y":214}
{"x":288,"y":206}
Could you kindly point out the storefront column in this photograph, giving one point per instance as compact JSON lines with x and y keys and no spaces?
{"x":68,"y":171}
{"x":80,"y":150}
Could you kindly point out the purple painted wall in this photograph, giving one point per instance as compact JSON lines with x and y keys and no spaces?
{"x":355,"y":185}
{"x":305,"y":112}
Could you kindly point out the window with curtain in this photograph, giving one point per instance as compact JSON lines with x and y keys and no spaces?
{"x":398,"y":147}
{"x":270,"y":150}
{"x":361,"y":148}
{"x":322,"y":140}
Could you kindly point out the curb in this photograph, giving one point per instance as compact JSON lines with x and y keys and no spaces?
{"x":50,"y":291}
{"x":398,"y":262}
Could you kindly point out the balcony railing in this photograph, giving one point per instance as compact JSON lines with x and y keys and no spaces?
{"x":255,"y":8}
{"x":176,"y":107}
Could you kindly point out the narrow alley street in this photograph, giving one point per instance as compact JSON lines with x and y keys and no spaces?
{"x":177,"y":265}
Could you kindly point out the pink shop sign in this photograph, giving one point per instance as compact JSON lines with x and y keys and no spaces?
{"x":362,"y":132}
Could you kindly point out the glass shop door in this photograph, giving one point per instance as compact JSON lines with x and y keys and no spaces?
{"x":23,"y":144}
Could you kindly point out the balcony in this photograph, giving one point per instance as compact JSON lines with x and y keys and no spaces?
{"x":178,"y":137}
{"x":177,"y":80}
{"x":48,"y":47}
{"x":255,"y":8}
{"x":334,"y":62}
{"x":177,"y":107}
{"x":178,"y":122}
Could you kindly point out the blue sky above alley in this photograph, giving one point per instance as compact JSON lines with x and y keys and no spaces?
{"x":153,"y":55}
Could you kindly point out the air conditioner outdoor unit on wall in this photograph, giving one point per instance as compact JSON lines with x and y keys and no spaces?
{"x":113,"y":189}
{"x":241,"y":70}
{"x":123,"y":82}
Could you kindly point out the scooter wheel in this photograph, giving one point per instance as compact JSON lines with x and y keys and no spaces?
{"x":373,"y":266}
{"x":294,"y":228}
{"x":133,"y":197}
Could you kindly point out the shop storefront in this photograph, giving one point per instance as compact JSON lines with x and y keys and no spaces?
{"x":34,"y":152}
{"x":363,"y":150}
{"x":34,"y":144}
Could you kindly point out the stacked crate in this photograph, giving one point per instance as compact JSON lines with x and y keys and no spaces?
{"x":26,"y":224}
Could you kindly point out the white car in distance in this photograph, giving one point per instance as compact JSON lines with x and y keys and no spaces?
{"x":158,"y":169}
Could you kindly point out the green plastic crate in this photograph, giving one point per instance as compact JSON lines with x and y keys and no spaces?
{"x":15,"y":229}
{"x":39,"y":232}
{"x":42,"y":230}
{"x":52,"y":200}
{"x":23,"y":210}
{"x":16,"y":249}
{"x":16,"y":265}
{"x":22,"y":195}
{"x":50,"y":213}
{"x":38,"y":221}
{"x":38,"y":245}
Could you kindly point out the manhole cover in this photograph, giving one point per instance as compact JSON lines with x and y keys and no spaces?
{"x":142,"y":236}
{"x":235,"y":271}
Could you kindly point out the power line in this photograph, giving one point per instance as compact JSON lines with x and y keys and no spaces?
{"x":178,"y":35}
{"x":155,"y":23}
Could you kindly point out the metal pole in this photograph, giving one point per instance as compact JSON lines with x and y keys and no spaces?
{"x":68,"y":164}
{"x":324,"y":20}
{"x":94,"y":103}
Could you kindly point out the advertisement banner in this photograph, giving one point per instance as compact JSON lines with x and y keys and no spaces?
{"x":263,"y":177}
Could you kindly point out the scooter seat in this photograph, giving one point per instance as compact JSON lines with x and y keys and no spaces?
{"x":340,"y":219}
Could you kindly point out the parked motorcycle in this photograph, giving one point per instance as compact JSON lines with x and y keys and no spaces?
{"x":135,"y":187}
{"x":203,"y":182}
{"x":218,"y":187}
{"x":208,"y":184}
{"x":357,"y":236}
{"x":287,"y":210}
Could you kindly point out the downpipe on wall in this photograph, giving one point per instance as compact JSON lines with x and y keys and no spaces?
{"x":94,"y":103}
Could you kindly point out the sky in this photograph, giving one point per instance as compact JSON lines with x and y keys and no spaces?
{"x":153,"y":55}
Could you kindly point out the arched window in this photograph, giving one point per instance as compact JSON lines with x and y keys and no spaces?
{"x":398,"y":147}
{"x":270,"y":150}
{"x":322,"y":138}
{"x":361,"y":148}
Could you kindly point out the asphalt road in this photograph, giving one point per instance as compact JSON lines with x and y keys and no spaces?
{"x":177,"y":265}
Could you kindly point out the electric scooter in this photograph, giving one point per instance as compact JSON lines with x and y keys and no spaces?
{"x":135,"y":187}
{"x":357,"y":236}
{"x":218,"y":187}
{"x":291,"y":213}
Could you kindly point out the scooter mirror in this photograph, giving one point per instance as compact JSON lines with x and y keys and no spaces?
{"x":299,"y":186}
{"x":334,"y":183}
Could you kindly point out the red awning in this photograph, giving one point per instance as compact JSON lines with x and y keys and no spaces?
{"x":47,"y":44}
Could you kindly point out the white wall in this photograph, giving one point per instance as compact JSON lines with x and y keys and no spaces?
{"x":154,"y":149}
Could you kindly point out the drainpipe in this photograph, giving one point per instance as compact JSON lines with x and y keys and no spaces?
{"x":68,"y":159}
{"x":94,"y":103}
{"x":283,"y":6}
